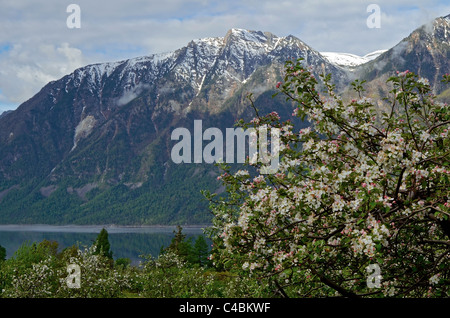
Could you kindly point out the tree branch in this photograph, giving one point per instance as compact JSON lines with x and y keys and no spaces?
{"x":438,"y":125}
{"x":335,"y":286}
{"x":437,"y":242}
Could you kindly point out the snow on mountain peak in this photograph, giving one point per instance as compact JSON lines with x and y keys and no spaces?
{"x":234,"y":56}
{"x":350,"y":60}
{"x":247,"y":35}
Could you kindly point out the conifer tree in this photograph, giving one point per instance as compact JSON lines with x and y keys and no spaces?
{"x":179,"y":245}
{"x":102,"y":244}
{"x":201,"y":250}
{"x":2,"y":253}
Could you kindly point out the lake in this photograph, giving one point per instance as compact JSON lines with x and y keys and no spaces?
{"x":126,"y":241}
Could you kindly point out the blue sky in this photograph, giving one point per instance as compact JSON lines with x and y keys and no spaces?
{"x":36,"y":46}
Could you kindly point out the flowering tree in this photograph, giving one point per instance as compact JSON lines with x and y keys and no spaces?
{"x":360,"y":203}
{"x":98,"y":278}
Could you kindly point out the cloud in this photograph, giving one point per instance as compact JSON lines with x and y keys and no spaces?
{"x":398,"y":50}
{"x":24,"y":71}
{"x":131,"y":94}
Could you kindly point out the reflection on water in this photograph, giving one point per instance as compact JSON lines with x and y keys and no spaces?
{"x":128,"y":242}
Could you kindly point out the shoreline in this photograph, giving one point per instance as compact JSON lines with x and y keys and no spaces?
{"x":111,"y":228}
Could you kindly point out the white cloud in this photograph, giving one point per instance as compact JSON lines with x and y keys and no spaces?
{"x":129,"y":95}
{"x":24,"y":70}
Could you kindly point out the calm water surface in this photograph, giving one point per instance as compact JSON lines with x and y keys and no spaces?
{"x":129,"y":242}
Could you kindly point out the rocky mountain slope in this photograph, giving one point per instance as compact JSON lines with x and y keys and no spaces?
{"x":426,"y":52}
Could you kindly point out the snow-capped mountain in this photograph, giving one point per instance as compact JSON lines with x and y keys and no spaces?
{"x":348,"y":60}
{"x":103,"y":132}
{"x":95,"y":145}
